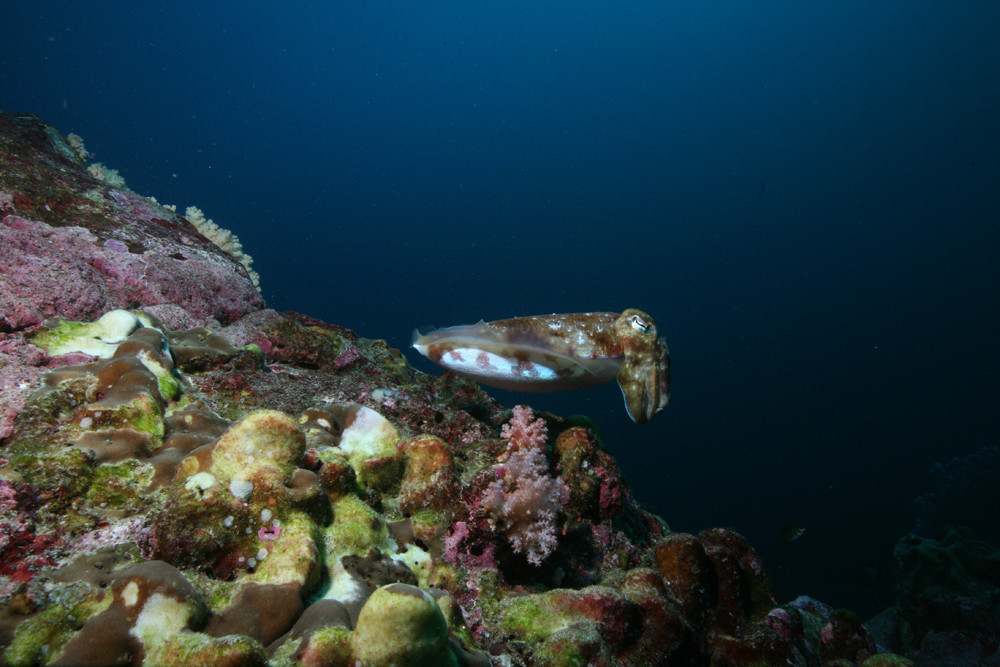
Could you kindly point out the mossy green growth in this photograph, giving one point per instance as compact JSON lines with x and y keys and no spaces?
{"x":570,"y":647}
{"x":195,"y":648}
{"x":218,"y":594}
{"x":491,"y":591}
{"x":262,"y":445}
{"x":302,"y":345}
{"x":254,"y":348}
{"x":169,"y":386}
{"x":383,"y":474}
{"x":167,"y":383}
{"x":48,"y":406}
{"x":356,"y":529}
{"x":528,"y":618}
{"x":51,"y":468}
{"x":120,"y":486}
{"x":99,"y":338}
{"x":429,"y":525}
{"x":183,"y":401}
{"x":39,"y":638}
{"x":250,"y":356}
{"x":333,"y":455}
{"x":565,"y":656}
{"x":284,"y":655}
{"x":886,"y":660}
{"x":293,"y":556}
{"x":330,"y":646}
{"x":142,"y":414}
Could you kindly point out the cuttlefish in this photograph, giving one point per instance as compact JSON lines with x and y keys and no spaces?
{"x":560,"y":352}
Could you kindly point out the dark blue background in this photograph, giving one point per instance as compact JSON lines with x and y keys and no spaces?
{"x":391,"y":165}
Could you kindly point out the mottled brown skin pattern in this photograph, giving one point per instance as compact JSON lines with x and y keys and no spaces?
{"x":608,"y":345}
{"x":563,"y":333}
{"x":645,"y":375}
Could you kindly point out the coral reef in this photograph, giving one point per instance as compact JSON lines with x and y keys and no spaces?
{"x":187,"y":477}
{"x":76,"y":247}
{"x":963,"y":490}
{"x":948,"y":598}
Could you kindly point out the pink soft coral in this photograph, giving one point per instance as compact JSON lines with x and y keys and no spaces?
{"x":523,"y":431}
{"x":524,"y":501}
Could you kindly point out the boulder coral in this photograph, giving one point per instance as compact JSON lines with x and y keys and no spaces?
{"x":187,"y":477}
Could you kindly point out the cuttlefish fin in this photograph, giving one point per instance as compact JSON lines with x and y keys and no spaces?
{"x":644,"y":377}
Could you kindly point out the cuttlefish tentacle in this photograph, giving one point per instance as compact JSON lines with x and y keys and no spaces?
{"x":645,"y":374}
{"x":560,"y":352}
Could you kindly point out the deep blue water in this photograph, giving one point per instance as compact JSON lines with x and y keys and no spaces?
{"x":805,"y":195}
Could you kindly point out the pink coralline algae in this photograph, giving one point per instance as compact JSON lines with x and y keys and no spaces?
{"x":456,"y":553}
{"x":780,"y":621}
{"x":115,"y":245}
{"x":72,"y":246}
{"x":347,"y":357}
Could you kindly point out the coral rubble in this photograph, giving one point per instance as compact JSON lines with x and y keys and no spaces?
{"x":187,"y":477}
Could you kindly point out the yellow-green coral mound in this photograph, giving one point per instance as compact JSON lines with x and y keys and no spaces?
{"x":401,"y":625}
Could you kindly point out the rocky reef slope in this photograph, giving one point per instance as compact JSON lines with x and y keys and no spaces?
{"x":188,"y":477}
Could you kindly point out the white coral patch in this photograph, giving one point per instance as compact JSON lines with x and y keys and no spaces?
{"x":417,"y":560}
{"x":240,"y":488}
{"x":343,"y":585}
{"x":99,"y":338}
{"x":161,"y":617}
{"x":130,"y":594}
{"x":199,"y":481}
{"x":368,"y":436}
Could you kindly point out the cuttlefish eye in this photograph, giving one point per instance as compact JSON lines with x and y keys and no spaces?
{"x":640,"y":325}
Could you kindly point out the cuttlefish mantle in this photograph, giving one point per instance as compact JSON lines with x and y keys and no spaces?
{"x":560,"y":352}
